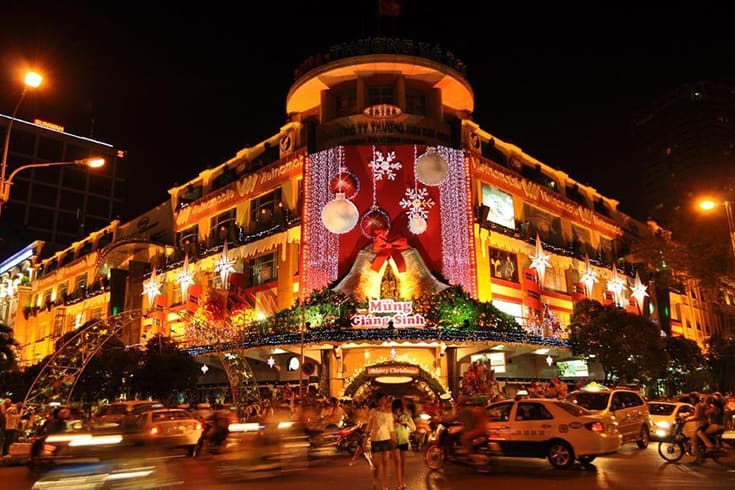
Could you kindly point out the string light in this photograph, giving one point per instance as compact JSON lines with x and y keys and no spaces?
{"x":320,"y":250}
{"x":456,"y":225}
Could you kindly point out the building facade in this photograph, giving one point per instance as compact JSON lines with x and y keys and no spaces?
{"x":374,"y":204}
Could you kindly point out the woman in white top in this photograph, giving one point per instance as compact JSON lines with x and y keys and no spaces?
{"x":382,"y":430}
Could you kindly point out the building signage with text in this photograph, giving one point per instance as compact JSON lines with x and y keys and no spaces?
{"x":393,"y":370}
{"x":383,"y":313}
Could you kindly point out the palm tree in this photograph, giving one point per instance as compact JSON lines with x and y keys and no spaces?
{"x":7,"y":348}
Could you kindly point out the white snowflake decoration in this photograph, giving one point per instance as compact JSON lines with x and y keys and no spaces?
{"x":185,"y":277}
{"x":418,"y":203}
{"x":385,"y":165}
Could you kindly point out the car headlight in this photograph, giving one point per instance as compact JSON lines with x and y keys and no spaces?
{"x":663,"y":424}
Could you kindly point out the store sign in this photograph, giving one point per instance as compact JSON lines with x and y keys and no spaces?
{"x":245,"y":188}
{"x":497,"y":360}
{"x":384,"y":313}
{"x":392,"y":370}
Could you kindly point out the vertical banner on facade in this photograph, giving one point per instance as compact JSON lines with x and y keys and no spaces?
{"x":578,"y":292}
{"x":531,"y":290}
{"x":193,"y":298}
{"x":608,"y":298}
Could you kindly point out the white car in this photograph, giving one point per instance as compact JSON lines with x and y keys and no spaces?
{"x":167,"y":428}
{"x":664,"y":414}
{"x":549,"y":428}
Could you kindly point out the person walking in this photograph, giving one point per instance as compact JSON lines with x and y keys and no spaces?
{"x":382,"y":432}
{"x":404,"y":426}
{"x":12,"y":425}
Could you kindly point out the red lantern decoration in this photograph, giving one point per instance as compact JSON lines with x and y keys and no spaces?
{"x":374,"y":221}
{"x":345,"y":182}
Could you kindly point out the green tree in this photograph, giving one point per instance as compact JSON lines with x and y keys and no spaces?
{"x":721,"y":361}
{"x":107,"y":373}
{"x":8,"y":344}
{"x":685,"y":362}
{"x":628,"y":347}
{"x":165,"y":371}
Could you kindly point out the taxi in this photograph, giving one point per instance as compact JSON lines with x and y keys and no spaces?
{"x":557,"y":430}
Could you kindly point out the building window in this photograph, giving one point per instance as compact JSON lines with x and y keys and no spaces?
{"x":346,"y":104}
{"x":80,"y":283}
{"x":380,"y":94}
{"x":415,"y":102}
{"x":188,"y":240}
{"x":265,"y":210}
{"x":263,"y":269}
{"x":62,"y":291}
{"x":59,"y":320}
{"x":555,"y":279}
{"x":223,"y":227}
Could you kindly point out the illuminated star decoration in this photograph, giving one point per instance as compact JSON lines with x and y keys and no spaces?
{"x":204,"y":368}
{"x":549,"y":360}
{"x":589,"y":276}
{"x":540,"y":261}
{"x":271,"y":362}
{"x":616,"y":285}
{"x":638,"y":291}
{"x":185,"y":277}
{"x":152,"y":287}
{"x":224,"y":265}
{"x":393,"y":354}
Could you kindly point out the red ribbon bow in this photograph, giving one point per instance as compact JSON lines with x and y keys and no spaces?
{"x":385,"y":248}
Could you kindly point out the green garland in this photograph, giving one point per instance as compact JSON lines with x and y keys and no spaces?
{"x":451,"y":309}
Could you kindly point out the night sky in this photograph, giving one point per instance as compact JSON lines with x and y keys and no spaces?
{"x":186,"y":88}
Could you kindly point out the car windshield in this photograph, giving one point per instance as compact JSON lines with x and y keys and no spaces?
{"x":590,"y":401}
{"x":573,"y":409}
{"x":661,"y":408}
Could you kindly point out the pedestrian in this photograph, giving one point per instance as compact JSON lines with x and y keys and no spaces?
{"x":3,"y":420}
{"x":12,"y":426}
{"x":404,"y":426}
{"x":382,"y":432}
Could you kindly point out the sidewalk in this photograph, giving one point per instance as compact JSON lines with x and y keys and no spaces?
{"x":18,"y":454}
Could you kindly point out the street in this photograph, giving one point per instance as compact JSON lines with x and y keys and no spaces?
{"x":629,"y":468}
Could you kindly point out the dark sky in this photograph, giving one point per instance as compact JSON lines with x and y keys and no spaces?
{"x":183,"y":88}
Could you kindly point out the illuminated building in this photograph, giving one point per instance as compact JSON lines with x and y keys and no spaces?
{"x":376,"y":201}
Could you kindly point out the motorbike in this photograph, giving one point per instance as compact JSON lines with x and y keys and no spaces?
{"x":678,"y":444}
{"x":420,"y":438}
{"x":350,"y":437}
{"x":212,"y":439}
{"x":446,"y":447}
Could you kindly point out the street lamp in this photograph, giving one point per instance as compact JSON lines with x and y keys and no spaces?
{"x":32,"y":80}
{"x":708,"y":204}
{"x":94,"y":162}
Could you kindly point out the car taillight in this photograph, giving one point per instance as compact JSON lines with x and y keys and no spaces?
{"x":154,"y":430}
{"x":595,"y":427}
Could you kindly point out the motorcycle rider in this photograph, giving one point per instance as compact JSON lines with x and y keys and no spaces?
{"x":714,"y":411}
{"x":698,"y":419}
{"x":473,"y":418}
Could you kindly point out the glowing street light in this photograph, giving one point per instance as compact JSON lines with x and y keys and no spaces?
{"x":93,"y":162}
{"x":32,"y":80}
{"x":709,"y":204}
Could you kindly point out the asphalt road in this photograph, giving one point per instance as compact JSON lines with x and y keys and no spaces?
{"x":630,"y":468}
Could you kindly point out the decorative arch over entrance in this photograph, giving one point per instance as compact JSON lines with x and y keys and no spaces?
{"x":58,"y":377}
{"x":393,"y":368}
